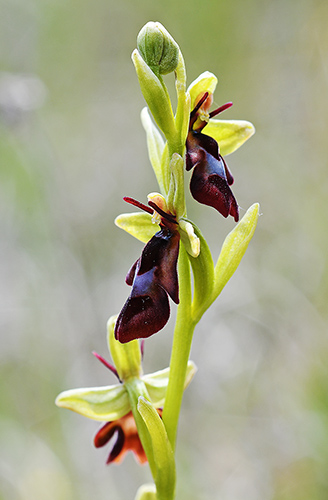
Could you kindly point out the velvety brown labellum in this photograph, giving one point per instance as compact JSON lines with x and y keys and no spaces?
{"x":153,"y":277}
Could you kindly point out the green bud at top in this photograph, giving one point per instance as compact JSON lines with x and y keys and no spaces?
{"x":158,"y":49}
{"x":126,"y":357}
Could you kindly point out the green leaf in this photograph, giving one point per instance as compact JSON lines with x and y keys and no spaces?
{"x":229,"y":134}
{"x":206,"y":82}
{"x":99,"y":403}
{"x":155,"y":144}
{"x":233,"y":249}
{"x":138,"y":224}
{"x":163,"y":454}
{"x":156,"y":383}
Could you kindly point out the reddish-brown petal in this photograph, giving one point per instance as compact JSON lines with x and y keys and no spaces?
{"x":209,"y":186}
{"x":211,"y":176}
{"x":153,"y":276}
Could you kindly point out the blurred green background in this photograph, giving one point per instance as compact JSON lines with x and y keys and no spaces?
{"x":254,"y":424}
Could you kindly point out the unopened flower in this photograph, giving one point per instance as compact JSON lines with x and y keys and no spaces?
{"x":158,"y":49}
{"x":153,"y":277}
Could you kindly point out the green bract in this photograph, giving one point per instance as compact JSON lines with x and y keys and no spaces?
{"x":156,"y":96}
{"x":155,"y":146}
{"x":234,"y":247}
{"x":209,"y":281}
{"x":163,"y":454}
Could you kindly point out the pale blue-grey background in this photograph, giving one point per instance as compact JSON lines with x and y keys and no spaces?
{"x":254,"y":424}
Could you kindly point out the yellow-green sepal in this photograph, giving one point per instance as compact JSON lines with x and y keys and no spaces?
{"x":233,"y":249}
{"x":138,"y":224}
{"x":98,"y":403}
{"x":206,"y":82}
{"x":229,"y":134}
{"x":156,"y":383}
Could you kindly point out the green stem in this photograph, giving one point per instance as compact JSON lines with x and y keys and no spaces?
{"x":182,"y":340}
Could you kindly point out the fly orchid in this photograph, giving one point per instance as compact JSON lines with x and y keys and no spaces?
{"x":131,"y":410}
{"x":153,"y":277}
{"x":116,"y":404}
{"x":211,"y":178}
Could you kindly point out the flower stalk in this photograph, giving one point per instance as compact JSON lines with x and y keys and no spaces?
{"x":175,"y":265}
{"x":183,"y":333}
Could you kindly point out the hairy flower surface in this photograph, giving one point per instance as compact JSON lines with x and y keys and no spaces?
{"x":153,"y":277}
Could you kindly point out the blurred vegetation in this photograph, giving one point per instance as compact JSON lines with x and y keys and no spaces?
{"x":254,"y":424}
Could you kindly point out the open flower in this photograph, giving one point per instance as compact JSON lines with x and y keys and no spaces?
{"x":211,"y":178}
{"x":126,"y":439}
{"x":153,"y":277}
{"x":113,"y":404}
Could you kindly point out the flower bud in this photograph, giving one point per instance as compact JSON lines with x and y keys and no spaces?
{"x":158,"y":49}
{"x":146,"y":492}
